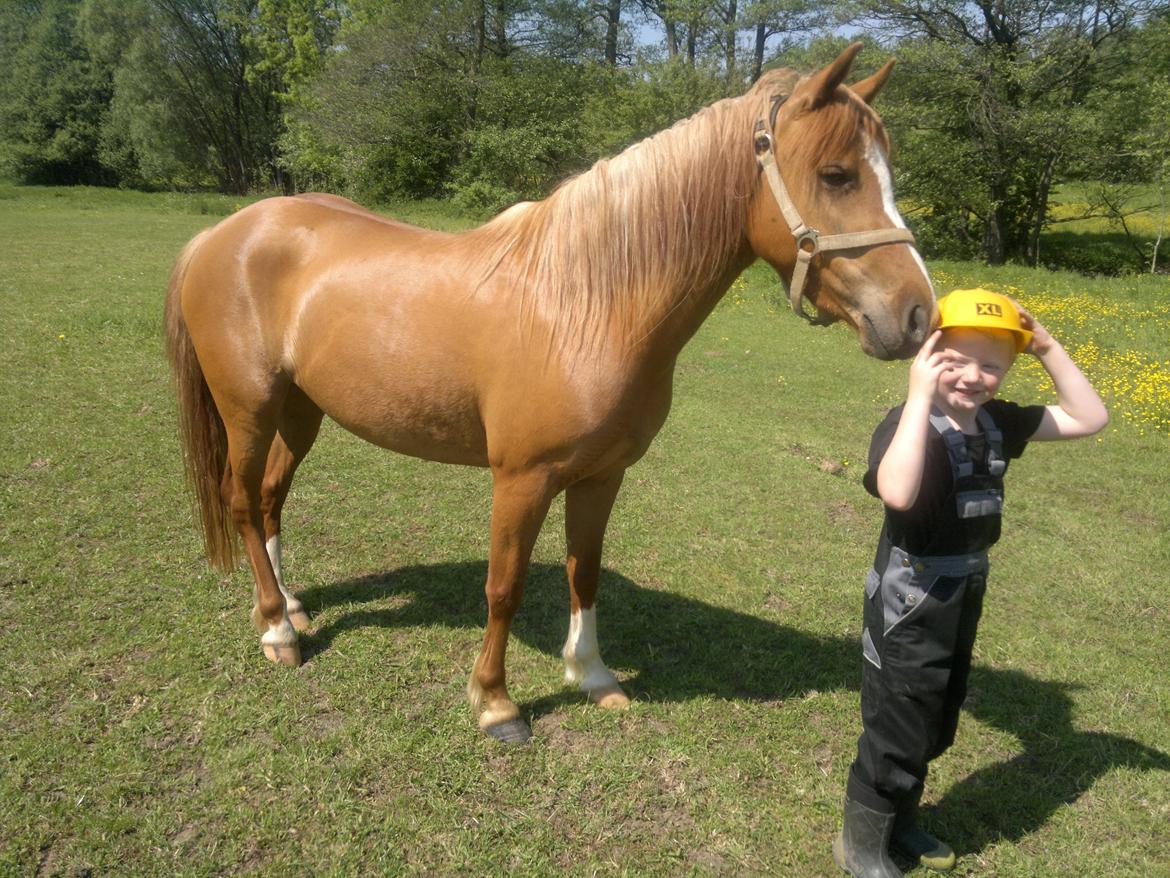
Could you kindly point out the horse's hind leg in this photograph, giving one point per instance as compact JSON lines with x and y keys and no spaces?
{"x":587,"y":507}
{"x":299,"y":423}
{"x":250,"y":434}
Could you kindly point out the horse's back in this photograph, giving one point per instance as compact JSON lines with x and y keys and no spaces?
{"x":337,"y":202}
{"x":368,"y":316}
{"x":269,"y":258}
{"x":393,"y":331}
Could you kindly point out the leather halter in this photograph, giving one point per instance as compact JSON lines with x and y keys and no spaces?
{"x":809,"y":241}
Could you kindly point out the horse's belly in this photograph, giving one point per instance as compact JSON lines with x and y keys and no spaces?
{"x":420,"y":405}
{"x":433,"y":438}
{"x":428,"y":425}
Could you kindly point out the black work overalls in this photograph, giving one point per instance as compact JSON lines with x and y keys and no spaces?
{"x":920,"y":618}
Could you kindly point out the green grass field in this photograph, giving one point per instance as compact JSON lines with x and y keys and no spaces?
{"x":143,"y":733}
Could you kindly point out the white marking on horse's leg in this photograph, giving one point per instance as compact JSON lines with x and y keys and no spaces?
{"x":281,"y":634}
{"x":876,"y":157}
{"x":293,"y":607}
{"x":583,"y":664}
{"x":280,"y":645}
{"x":273,"y":547}
{"x":279,"y":641}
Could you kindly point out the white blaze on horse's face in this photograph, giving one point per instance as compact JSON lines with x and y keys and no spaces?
{"x":876,"y":156}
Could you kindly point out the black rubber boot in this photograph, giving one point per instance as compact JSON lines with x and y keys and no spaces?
{"x":861,"y":848}
{"x":914,"y":842}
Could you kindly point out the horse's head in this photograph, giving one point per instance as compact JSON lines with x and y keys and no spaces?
{"x":824,"y":215}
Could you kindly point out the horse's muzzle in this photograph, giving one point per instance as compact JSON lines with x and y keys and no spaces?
{"x":885,"y":341}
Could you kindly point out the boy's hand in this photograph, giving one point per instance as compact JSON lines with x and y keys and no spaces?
{"x":926,"y":369}
{"x":1042,"y":339}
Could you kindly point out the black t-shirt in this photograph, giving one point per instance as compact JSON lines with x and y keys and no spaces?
{"x":932,"y":525}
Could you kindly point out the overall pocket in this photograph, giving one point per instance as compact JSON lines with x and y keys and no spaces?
{"x":902,"y":593}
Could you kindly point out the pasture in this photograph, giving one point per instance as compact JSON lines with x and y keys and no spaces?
{"x":143,"y":733}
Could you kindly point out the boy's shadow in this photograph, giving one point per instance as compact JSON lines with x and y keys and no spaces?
{"x":1008,"y":800}
{"x":680,"y":648}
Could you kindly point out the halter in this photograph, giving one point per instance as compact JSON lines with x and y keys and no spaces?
{"x":809,"y":241}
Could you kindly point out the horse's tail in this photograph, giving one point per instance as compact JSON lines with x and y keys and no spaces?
{"x":201,"y":429}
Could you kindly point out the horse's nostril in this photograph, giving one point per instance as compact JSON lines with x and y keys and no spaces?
{"x":916,"y":320}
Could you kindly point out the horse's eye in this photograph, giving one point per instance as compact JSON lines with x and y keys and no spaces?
{"x":836,"y":177}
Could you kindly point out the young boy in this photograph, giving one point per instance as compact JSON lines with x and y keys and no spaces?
{"x":937,"y":462}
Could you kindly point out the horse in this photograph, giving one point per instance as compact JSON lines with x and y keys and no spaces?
{"x":541,"y":344}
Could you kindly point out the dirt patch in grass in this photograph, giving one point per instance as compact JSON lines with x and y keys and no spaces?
{"x":560,"y":738}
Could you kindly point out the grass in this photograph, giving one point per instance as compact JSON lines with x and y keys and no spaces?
{"x":143,"y":733}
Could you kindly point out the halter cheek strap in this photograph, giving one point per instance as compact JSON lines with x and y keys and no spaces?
{"x":809,"y":241}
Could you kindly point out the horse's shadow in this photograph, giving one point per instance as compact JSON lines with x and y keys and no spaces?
{"x":679,"y":648}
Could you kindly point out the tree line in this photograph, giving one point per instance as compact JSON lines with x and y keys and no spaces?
{"x":492,"y":101}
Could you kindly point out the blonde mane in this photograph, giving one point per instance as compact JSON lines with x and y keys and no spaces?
{"x":659,"y":222}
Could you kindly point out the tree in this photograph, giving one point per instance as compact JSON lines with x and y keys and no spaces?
{"x":663,"y":10}
{"x":646,"y":99}
{"x":1133,"y":153}
{"x":200,"y":93}
{"x":989,"y":108}
{"x":771,"y":18}
{"x":694,"y":19}
{"x":290,"y":39}
{"x":611,"y":13}
{"x":385,"y":115}
{"x":52,"y":96}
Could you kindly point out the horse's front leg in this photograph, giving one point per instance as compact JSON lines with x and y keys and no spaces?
{"x":519,"y":505}
{"x":587,"y":507}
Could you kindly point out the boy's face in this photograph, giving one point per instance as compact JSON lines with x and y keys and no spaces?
{"x":976,"y":363}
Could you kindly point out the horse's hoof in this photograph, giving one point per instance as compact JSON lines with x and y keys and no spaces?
{"x":287,"y":654}
{"x":300,"y":620}
{"x":609,"y":697}
{"x":513,"y":731}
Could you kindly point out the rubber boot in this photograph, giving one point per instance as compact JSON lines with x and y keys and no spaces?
{"x":861,"y":848}
{"x":914,"y":842}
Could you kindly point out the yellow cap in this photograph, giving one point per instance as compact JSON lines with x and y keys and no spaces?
{"x":983,"y":309}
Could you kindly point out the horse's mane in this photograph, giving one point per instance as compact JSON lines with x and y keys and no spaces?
{"x":664,"y":218}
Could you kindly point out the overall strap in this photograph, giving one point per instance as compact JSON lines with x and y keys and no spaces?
{"x":962,"y":466}
{"x":973,"y":500}
{"x":995,"y":459}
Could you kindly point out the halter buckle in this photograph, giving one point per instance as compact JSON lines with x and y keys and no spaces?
{"x":763,"y":140}
{"x":811,"y":237}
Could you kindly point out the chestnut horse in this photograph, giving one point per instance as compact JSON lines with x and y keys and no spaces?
{"x":541,"y":345}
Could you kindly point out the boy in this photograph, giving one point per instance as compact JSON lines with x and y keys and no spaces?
{"x":937,"y":463}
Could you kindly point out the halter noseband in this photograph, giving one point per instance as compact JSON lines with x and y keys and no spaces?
{"x":809,"y":241}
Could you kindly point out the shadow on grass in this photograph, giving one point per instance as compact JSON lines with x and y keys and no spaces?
{"x":679,"y":648}
{"x":1108,"y":253}
{"x":1011,"y":799}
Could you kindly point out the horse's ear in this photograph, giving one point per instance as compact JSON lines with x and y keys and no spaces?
{"x":823,"y":84}
{"x":867,"y":88}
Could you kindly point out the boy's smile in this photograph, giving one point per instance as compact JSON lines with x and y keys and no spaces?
{"x":977,"y":361}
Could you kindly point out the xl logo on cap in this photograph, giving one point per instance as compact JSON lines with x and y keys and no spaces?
{"x":988,"y":309}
